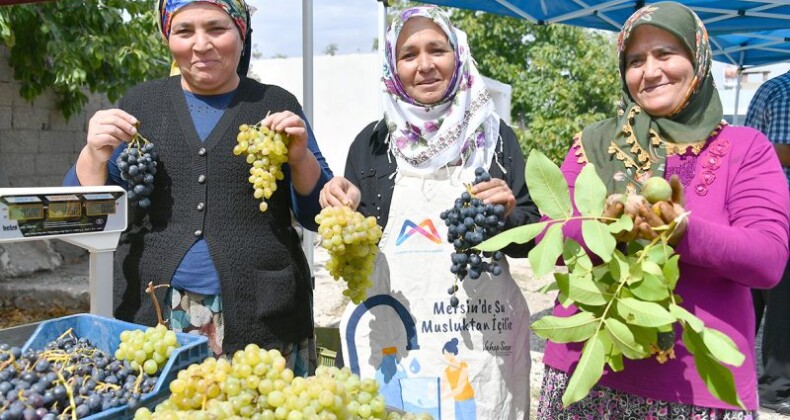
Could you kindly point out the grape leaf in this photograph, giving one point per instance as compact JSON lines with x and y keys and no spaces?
{"x":563,"y":285}
{"x":646,"y":314}
{"x":671,"y":271}
{"x":682,"y":314}
{"x":550,"y":287}
{"x":547,"y":186}
{"x":624,"y":223}
{"x":572,"y":329}
{"x":717,"y":378}
{"x":598,"y":238}
{"x":575,"y":256}
{"x":618,"y":267}
{"x":722,"y":348}
{"x":650,"y":288}
{"x":588,"y":371}
{"x":589,"y":192}
{"x":615,"y":362}
{"x":659,"y":253}
{"x":544,"y":256}
{"x":518,"y":235}
{"x":624,"y":339}
{"x":584,"y":290}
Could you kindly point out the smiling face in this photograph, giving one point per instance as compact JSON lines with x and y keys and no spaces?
{"x":207,"y":46}
{"x":425,"y":60}
{"x":658,"y":70}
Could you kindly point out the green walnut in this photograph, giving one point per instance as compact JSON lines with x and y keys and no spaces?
{"x":656,"y":189}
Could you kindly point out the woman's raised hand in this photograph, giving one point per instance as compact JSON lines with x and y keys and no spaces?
{"x":339,"y":192}
{"x":495,"y":191}
{"x":294,"y":126}
{"x":633,"y":206}
{"x":107,"y":129}
{"x":664,"y":212}
{"x":646,"y":217}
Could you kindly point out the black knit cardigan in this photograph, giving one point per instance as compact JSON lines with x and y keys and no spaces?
{"x":201,"y":190}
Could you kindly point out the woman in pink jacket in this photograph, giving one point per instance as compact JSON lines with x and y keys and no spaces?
{"x":669,"y":124}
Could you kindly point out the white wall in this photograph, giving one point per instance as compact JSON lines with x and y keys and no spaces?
{"x":346,"y":96}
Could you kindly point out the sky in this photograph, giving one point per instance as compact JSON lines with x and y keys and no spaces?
{"x":350,"y":24}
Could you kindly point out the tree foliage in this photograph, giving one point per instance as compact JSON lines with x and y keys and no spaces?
{"x":70,"y":47}
{"x":563,"y":77}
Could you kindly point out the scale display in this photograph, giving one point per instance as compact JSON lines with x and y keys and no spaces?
{"x":27,"y":213}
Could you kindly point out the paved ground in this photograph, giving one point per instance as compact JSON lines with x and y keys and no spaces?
{"x":68,"y":286}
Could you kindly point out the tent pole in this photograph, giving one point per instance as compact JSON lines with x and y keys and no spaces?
{"x":737,"y":95}
{"x":307,"y":59}
{"x":382,"y":34}
{"x":307,"y":107}
{"x":382,"y":30}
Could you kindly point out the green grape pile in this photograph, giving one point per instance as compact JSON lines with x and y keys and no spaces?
{"x":256,"y":384}
{"x":266,"y":151}
{"x":351,"y":240}
{"x":149,"y":350}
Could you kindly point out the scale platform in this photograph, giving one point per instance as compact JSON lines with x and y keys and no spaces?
{"x":90,"y":217}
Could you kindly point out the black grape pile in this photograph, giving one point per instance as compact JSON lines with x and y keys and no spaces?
{"x":69,"y":378}
{"x":137,"y":164}
{"x":470,"y":222}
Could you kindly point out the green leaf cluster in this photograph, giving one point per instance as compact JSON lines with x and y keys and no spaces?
{"x":71,"y":47}
{"x":627,"y":301}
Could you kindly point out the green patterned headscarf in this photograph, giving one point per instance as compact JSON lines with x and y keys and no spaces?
{"x":629,"y":148}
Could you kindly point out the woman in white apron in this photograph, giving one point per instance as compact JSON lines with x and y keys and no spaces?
{"x":465,"y":362}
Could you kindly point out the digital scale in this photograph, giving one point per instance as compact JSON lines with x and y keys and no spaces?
{"x":90,"y":217}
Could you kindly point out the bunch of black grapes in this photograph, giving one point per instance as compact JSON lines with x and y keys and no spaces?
{"x":69,"y":377}
{"x":470,"y":222}
{"x":138,"y":166}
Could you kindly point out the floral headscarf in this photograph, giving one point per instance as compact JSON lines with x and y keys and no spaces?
{"x":461,"y":126}
{"x":629,"y":148}
{"x":238,"y":10}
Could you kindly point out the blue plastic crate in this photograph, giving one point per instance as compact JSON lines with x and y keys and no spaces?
{"x":105,"y":334}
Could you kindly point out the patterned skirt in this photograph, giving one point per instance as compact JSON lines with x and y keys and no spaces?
{"x":607,"y":403}
{"x":194,"y":313}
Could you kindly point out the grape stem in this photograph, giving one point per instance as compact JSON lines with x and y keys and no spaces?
{"x":150,"y":290}
{"x":11,"y":360}
{"x":70,"y":393}
{"x":138,"y":381}
{"x":67,"y":332}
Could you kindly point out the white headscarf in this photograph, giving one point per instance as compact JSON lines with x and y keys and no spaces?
{"x":463,"y":126}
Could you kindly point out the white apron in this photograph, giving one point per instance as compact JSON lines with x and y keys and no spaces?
{"x":469,"y":362}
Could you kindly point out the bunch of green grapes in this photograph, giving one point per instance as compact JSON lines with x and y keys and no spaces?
{"x":266,"y":151}
{"x":351,"y":240}
{"x":147,"y":350}
{"x":256,"y":384}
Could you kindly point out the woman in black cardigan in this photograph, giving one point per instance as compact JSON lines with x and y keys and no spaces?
{"x":236,"y":274}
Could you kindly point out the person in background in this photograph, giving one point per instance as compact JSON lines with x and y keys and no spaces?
{"x":439,"y":125}
{"x":235,"y":274}
{"x":735,"y":238}
{"x":769,"y":112}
